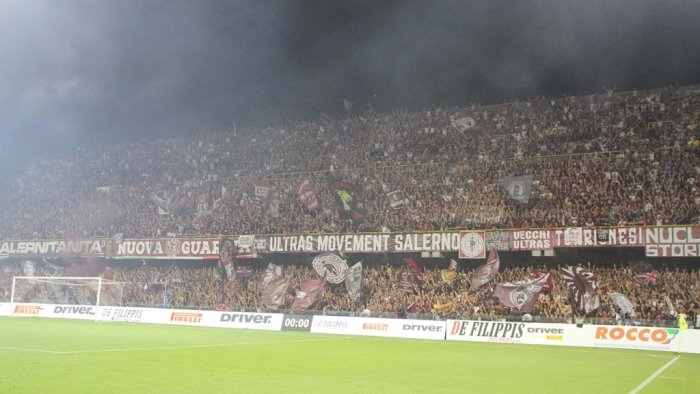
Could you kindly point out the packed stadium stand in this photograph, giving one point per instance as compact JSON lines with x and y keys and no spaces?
{"x":596,"y":160}
{"x":614,"y":159}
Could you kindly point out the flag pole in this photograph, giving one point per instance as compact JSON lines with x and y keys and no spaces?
{"x":572,"y":305}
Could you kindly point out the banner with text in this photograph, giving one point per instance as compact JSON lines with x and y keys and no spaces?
{"x":53,"y":248}
{"x":395,"y":328}
{"x":673,"y":241}
{"x":658,"y":241}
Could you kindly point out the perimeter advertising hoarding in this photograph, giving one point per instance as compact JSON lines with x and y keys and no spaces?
{"x":395,"y":328}
{"x":240,"y":320}
{"x":131,"y":315}
{"x":643,"y":338}
{"x":79,"y":312}
{"x":598,"y":336}
{"x":4,"y":309}
{"x":508,"y":332}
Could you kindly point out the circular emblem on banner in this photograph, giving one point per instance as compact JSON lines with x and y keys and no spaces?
{"x":332,"y":266}
{"x":519,"y":296}
{"x":471,"y":245}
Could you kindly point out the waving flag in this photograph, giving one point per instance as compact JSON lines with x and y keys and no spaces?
{"x":330,"y":265}
{"x":405,"y":281}
{"x":444,"y":308}
{"x":486,"y":272}
{"x":348,"y":200}
{"x":415,"y":268}
{"x":397,"y":199}
{"x":307,"y":195}
{"x":449,"y":274}
{"x":273,"y":272}
{"x":273,"y":294}
{"x":353,"y":281}
{"x":310,"y":293}
{"x":548,"y":280}
{"x":518,"y":187}
{"x":583,"y":284}
{"x":623,"y":303}
{"x":649,"y":278}
{"x":520,"y":295}
{"x":228,"y":251}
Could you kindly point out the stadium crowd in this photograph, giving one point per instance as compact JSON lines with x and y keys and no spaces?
{"x":596,"y":160}
{"x":673,"y":290}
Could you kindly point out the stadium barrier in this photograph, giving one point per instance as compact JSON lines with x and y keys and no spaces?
{"x":597,"y":336}
{"x":378,"y":327}
{"x":552,"y":334}
{"x":240,"y":320}
{"x":4,"y":309}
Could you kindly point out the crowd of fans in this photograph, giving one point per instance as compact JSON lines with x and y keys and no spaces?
{"x":673,"y":290}
{"x":595,"y":160}
{"x":610,"y":159}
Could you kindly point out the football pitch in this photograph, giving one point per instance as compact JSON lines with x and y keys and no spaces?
{"x":67,"y":356}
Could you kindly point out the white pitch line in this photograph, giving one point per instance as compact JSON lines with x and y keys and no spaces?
{"x":597,"y":350}
{"x":193,"y":346}
{"x":30,"y":350}
{"x":653,"y":376}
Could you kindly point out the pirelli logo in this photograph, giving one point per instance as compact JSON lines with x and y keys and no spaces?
{"x":27,"y":309}
{"x":375,"y":326}
{"x":183,"y":317}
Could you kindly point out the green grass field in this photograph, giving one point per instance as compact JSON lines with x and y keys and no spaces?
{"x":65,"y":356}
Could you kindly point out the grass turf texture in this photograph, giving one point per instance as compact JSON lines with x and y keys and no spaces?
{"x":65,"y":356}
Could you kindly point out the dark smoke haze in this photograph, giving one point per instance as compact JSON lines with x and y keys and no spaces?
{"x":79,"y":73}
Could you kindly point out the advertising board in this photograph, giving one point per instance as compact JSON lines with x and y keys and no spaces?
{"x":395,"y":328}
{"x":508,"y":332}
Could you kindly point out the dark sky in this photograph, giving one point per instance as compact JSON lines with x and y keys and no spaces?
{"x":101,"y":72}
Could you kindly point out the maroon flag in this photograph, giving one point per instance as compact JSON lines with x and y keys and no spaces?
{"x":405,"y":281}
{"x":415,"y":268}
{"x":548,"y":280}
{"x":583,"y":284}
{"x":307,"y":195}
{"x":310,"y":293}
{"x":520,"y":295}
{"x":273,"y":295}
{"x":486,"y":272}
